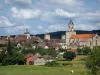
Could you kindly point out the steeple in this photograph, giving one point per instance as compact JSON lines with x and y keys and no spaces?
{"x":26,"y":31}
{"x":70,"y":26}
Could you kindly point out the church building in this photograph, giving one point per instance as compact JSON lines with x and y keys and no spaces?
{"x":74,"y":40}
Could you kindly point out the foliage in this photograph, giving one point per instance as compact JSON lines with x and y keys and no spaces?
{"x":9,"y":48}
{"x":51,"y":64}
{"x":69,"y":55}
{"x":42,"y":51}
{"x":2,"y":54}
{"x":3,"y":45}
{"x":13,"y":56}
{"x":16,"y":58}
{"x":62,"y":50}
{"x":83,"y":51}
{"x":93,"y":60}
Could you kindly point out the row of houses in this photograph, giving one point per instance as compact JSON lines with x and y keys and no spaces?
{"x":69,"y":40}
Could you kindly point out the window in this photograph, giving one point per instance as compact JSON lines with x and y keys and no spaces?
{"x":90,"y":43}
{"x":96,"y":43}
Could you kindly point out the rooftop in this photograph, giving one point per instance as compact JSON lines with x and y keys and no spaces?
{"x":83,"y":36}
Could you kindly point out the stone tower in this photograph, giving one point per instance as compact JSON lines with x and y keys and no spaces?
{"x":27,"y":34}
{"x":47,"y":36}
{"x":70,"y":32}
{"x":70,"y":26}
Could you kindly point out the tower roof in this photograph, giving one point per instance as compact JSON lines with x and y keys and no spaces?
{"x":26,"y":32}
{"x":70,"y":22}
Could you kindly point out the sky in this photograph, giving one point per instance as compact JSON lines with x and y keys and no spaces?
{"x":43,"y":16}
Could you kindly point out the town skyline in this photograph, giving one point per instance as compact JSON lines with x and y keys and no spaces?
{"x":41,"y":16}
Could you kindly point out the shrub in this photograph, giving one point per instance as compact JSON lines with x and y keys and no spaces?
{"x":83,"y":51}
{"x":69,"y":55}
{"x":66,"y":64}
{"x":3,"y":45}
{"x":51,"y":64}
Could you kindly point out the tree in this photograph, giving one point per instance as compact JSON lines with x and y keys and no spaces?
{"x":93,"y":60}
{"x":12,"y":56}
{"x":15,"y":58}
{"x":9,"y":48}
{"x":2,"y":54}
{"x":69,"y":55}
{"x":83,"y":51}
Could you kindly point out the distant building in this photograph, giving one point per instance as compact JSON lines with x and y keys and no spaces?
{"x":47,"y":36}
{"x":73,"y":40}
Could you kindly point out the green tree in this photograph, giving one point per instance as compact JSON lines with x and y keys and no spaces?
{"x":83,"y":51}
{"x":9,"y":48}
{"x":2,"y":54}
{"x":93,"y":60}
{"x":69,"y":55}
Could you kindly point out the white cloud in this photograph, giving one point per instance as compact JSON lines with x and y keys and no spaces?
{"x":23,"y":2}
{"x":86,"y":27}
{"x":70,"y":2}
{"x":56,"y":27}
{"x":23,"y":27}
{"x":40,"y":27}
{"x":17,"y":29}
{"x":25,"y":13}
{"x":64,"y":13}
{"x":4,"y":22}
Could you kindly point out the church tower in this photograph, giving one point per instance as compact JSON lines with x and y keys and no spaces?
{"x":70,"y":26}
{"x":69,"y":33}
{"x":27,"y":34}
{"x":47,"y":36}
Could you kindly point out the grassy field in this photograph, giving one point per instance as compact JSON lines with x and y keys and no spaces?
{"x":78,"y":67}
{"x":41,"y":70}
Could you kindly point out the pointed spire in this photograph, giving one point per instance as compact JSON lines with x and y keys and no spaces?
{"x":70,"y":22}
{"x":26,"y":31}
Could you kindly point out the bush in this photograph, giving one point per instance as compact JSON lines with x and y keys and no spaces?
{"x":83,"y":51}
{"x":12,"y":60}
{"x":66,"y":64}
{"x":69,"y":55}
{"x":51,"y":64}
{"x":3,"y":45}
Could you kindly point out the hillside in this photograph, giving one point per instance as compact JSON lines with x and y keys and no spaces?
{"x":57,"y":35}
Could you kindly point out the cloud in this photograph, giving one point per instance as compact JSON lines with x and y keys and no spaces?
{"x":40,"y":27}
{"x":4,"y":22}
{"x":25,"y":13}
{"x":70,"y":2}
{"x":86,"y":27}
{"x":19,"y":2}
{"x":64,"y":13}
{"x":17,"y":29}
{"x":56,"y":27}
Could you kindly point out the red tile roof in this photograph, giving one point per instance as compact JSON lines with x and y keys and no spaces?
{"x":83,"y":36}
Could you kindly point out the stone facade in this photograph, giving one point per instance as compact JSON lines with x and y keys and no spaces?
{"x":73,"y":40}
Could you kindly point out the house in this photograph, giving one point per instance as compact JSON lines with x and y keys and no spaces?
{"x":39,"y":61}
{"x":34,"y":59}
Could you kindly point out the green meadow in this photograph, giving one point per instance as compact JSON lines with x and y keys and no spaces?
{"x":42,"y":70}
{"x":77,"y":65}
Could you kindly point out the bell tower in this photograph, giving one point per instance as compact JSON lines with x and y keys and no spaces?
{"x":70,"y":26}
{"x":69,"y":33}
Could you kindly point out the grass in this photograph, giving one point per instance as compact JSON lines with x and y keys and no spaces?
{"x":78,"y":66}
{"x":41,"y":70}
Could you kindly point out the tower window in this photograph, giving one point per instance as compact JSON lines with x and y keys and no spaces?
{"x":96,"y":43}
